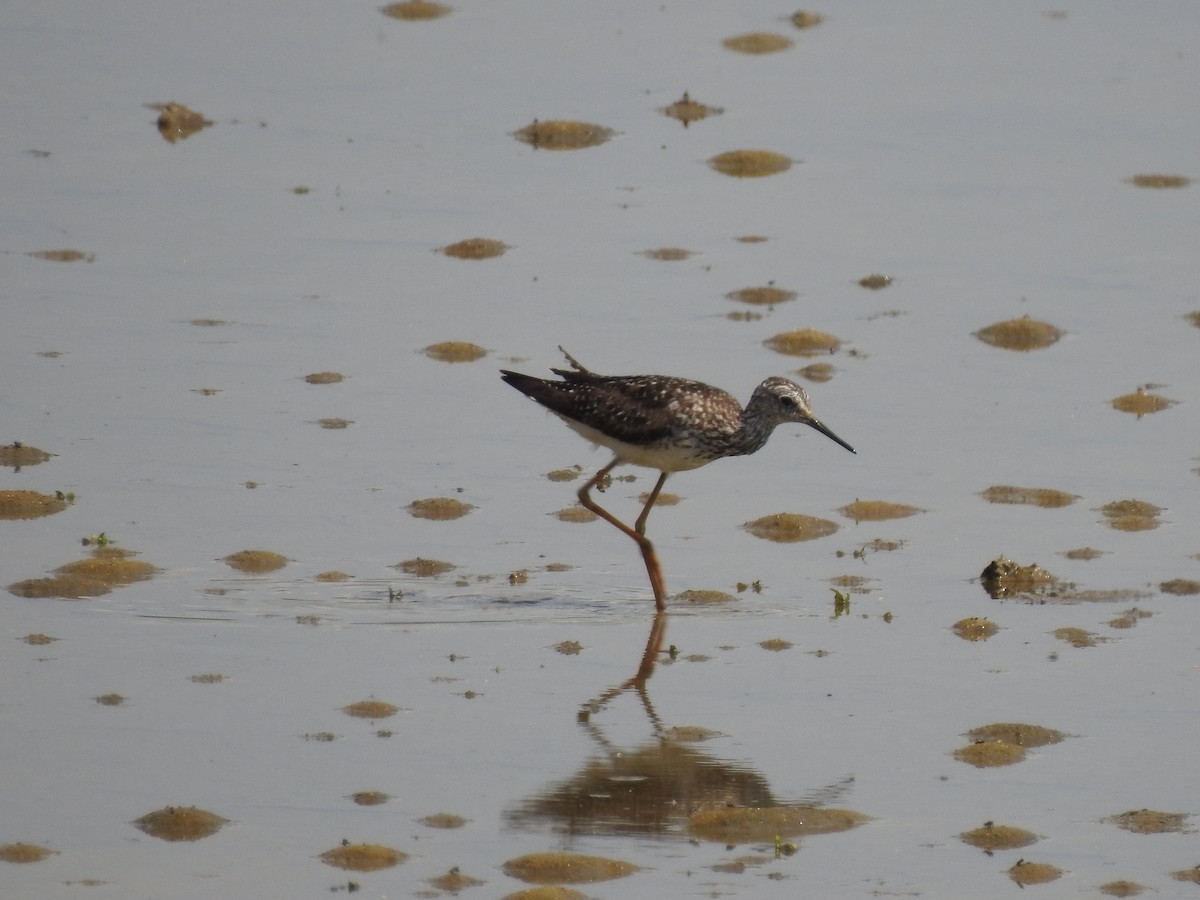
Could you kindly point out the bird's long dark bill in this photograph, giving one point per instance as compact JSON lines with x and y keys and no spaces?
{"x":829,"y":434}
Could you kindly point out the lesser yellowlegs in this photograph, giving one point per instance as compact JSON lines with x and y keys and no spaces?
{"x":664,"y":423}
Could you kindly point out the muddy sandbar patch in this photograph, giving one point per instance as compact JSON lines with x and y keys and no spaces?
{"x":1019,"y":334}
{"x":369,"y":798}
{"x":568,"y":868}
{"x":1024,"y":872}
{"x":255,"y":562}
{"x":445,"y":821}
{"x":331,"y":577}
{"x":20,"y":852}
{"x":561,"y":134}
{"x":765,"y":295}
{"x":1078,"y":637}
{"x":750,"y":163}
{"x":180,"y":823}
{"x":991,"y":837}
{"x":110,"y":699}
{"x":687,"y":110}
{"x":93,"y":576}
{"x":363,"y":857}
{"x":877,"y":511}
{"x":325,"y":378}
{"x":876,"y":281}
{"x":989,"y":754}
{"x":30,"y":504}
{"x":475,"y":248}
{"x":1129,"y":618}
{"x":787,"y":528}
{"x":455,"y":352}
{"x":1158,"y":180}
{"x":803,"y":342}
{"x":1121,"y":888}
{"x":561,"y":475}
{"x":453,"y":881}
{"x":568,"y":648}
{"x":704,"y":595}
{"x":416,"y":10}
{"x":803,"y":18}
{"x":819,"y":373}
{"x":575,"y":515}
{"x":62,"y":255}
{"x":775,"y":645}
{"x":1150,"y":821}
{"x":1131,"y":515}
{"x":1019,"y":734}
{"x":1180,"y":587}
{"x":424,"y":568}
{"x":1003,"y":577}
{"x":1188,"y":876}
{"x":37,"y":639}
{"x":1142,"y":403}
{"x":975,"y":628}
{"x":737,"y":825}
{"x":1083,"y":553}
{"x":16,"y":455}
{"x":547,"y":892}
{"x":335,"y":423}
{"x":207,"y":678}
{"x":370,"y":709}
{"x":1047,"y":498}
{"x":177,"y":122}
{"x":663,"y":499}
{"x":441,"y":509}
{"x":757,"y":43}
{"x":667,"y":254}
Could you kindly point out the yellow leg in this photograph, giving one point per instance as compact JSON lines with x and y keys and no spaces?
{"x":657,"y":582}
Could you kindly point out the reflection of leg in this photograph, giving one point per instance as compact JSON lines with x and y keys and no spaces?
{"x":657,"y":583}
{"x":658,"y":631}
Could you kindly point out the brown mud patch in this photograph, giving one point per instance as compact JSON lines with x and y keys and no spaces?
{"x":325,"y":378}
{"x":803,"y":19}
{"x":363,"y":857}
{"x":546,"y":892}
{"x":1180,"y":587}
{"x":975,"y":628}
{"x":455,"y":352}
{"x":757,"y":43}
{"x":701,"y":595}
{"x":803,"y":342}
{"x":38,"y":639}
{"x":334,"y":424}
{"x":1024,"y":873}
{"x":453,"y":881}
{"x":1158,"y":181}
{"x":559,"y":134}
{"x":687,"y":110}
{"x":989,"y":754}
{"x":575,"y":515}
{"x":767,"y":295}
{"x":29,"y":504}
{"x":369,"y":798}
{"x":818,"y":373}
{"x":370,"y":709}
{"x":991,"y":837}
{"x":1003,"y":577}
{"x":176,"y":122}
{"x":667,"y":254}
{"x":94,"y":576}
{"x":877,"y":511}
{"x":875,"y":281}
{"x":1047,"y":498}
{"x":1142,"y":403}
{"x":21,"y":852}
{"x":255,"y":562}
{"x":750,"y":163}
{"x":1018,"y":734}
{"x":1078,"y":638}
{"x":443,"y":820}
{"x":475,"y":248}
{"x":1019,"y":334}
{"x":416,"y":10}
{"x":180,"y":823}
{"x":16,"y":455}
{"x":112,"y":699}
{"x":1131,"y":515}
{"x":441,"y":509}
{"x":1083,"y":553}
{"x":775,"y":645}
{"x":1121,"y":888}
{"x":788,"y":528}
{"x":424,"y":568}
{"x":1150,"y":821}
{"x":737,"y":825}
{"x":62,"y":255}
{"x":569,"y":868}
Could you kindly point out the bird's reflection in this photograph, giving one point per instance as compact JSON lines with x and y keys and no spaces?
{"x":660,"y":786}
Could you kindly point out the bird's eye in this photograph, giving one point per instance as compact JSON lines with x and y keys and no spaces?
{"x":787,"y":401}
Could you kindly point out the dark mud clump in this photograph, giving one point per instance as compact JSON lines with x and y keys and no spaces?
{"x":370,"y":798}
{"x":1159,"y":181}
{"x":558,"y":134}
{"x":1180,"y":587}
{"x":1003,"y":577}
{"x":176,"y":122}
{"x":787,"y":528}
{"x":255,"y":562}
{"x":455,"y":352}
{"x":667,"y":254}
{"x":803,"y":19}
{"x":991,"y":837}
{"x":687,"y":110}
{"x":566,"y":868}
{"x":475,"y":248}
{"x":1019,"y":334}
{"x":325,"y":378}
{"x":1150,"y":821}
{"x":1018,"y":734}
{"x":875,"y":281}
{"x":750,"y":163}
{"x":180,"y":823}
{"x":1047,"y":498}
{"x":1142,"y":403}
{"x":804,"y":342}
{"x":1024,"y":873}
{"x":424,"y":568}
{"x":63,"y":255}
{"x":1131,"y":515}
{"x":443,"y":821}
{"x":363,"y":857}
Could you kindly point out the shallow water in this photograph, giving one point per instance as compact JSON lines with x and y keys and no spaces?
{"x":979,"y":157}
